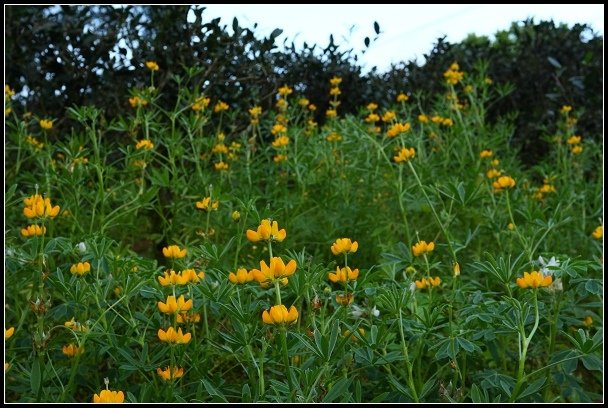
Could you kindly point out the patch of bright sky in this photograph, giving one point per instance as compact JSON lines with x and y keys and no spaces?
{"x":407,"y":31}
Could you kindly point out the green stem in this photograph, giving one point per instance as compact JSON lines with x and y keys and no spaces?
{"x":286,"y":361}
{"x":408,"y":365}
{"x":517,"y":232}
{"x":428,"y":200}
{"x":402,"y":207}
{"x":524,"y":349}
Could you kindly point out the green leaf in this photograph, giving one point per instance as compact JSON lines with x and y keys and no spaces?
{"x":35,"y":377}
{"x":427,"y":388}
{"x":213,"y":391}
{"x":534,"y":387}
{"x":594,"y":287}
{"x":376,"y":27}
{"x":338,"y":389}
{"x":373,"y":334}
{"x":380,"y":398}
{"x":476,"y":395}
{"x":399,"y":387}
{"x":592,"y":362}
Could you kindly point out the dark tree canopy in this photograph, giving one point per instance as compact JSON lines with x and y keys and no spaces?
{"x":81,"y":55}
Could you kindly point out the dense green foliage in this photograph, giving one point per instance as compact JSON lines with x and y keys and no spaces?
{"x":474,"y":278}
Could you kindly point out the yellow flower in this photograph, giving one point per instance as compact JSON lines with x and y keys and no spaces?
{"x":152,"y":66}
{"x":80,"y":268}
{"x":423,"y":118}
{"x":188,"y":318}
{"x":303,"y":102}
{"x":75,"y":326}
{"x":343,"y":245}
{"x":588,"y":321}
{"x":447,"y":122}
{"x":331,"y":113}
{"x":485,"y":153}
{"x":33,"y":230}
{"x":192,"y":276}
{"x":456,"y":269}
{"x":343,"y":275}
{"x":421,"y":247}
{"x":206,"y":205}
{"x":598,"y":232}
{"x":172,"y":278}
{"x":436,"y":281}
{"x":335,"y":91}
{"x":428,"y":282}
{"x":175,"y":306}
{"x":372,"y":106}
{"x":201,"y":103}
{"x":8,"y":333}
{"x":334,"y":137}
{"x":241,"y":276}
{"x":221,"y":166}
{"x":72,"y":350}
{"x":493,"y":173}
{"x":335,"y":81}
{"x":421,"y":284}
{"x":46,"y":124}
{"x":220,"y":106}
{"x":345,"y":299}
{"x":511,"y":226}
{"x":172,"y":336}
{"x":453,"y":75}
{"x":312,"y":107}
{"x":137,"y":101}
{"x":503,"y":182}
{"x":578,"y":149}
{"x":107,"y":396}
{"x":281,"y":105}
{"x":278,"y":129}
{"x":495,"y":162}
{"x":173,"y":251}
{"x":280,"y":315}
{"x":144,"y":144}
{"x":546,"y":188}
{"x":280,"y":141}
{"x":397,"y":129}
{"x":404,"y":154}
{"x":236,"y":216}
{"x":38,"y":207}
{"x":31,"y":140}
{"x":170,"y":373}
{"x":566,"y":109}
{"x":8,"y":92}
{"x":279,"y":158}
{"x":255,"y":111}
{"x":574,"y":140}
{"x":534,"y":280}
{"x":388,"y":116}
{"x":285,"y":90}
{"x":402,"y":97}
{"x":276,"y":271}
{"x":372,"y":117}
{"x":267,"y":231}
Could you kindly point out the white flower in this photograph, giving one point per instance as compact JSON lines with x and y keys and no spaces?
{"x":82,"y":248}
{"x":375,"y":312}
{"x":413,"y":287}
{"x":356,"y":311}
{"x":545,"y":266}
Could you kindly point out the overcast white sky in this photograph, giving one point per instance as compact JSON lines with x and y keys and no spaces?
{"x":407,"y":31}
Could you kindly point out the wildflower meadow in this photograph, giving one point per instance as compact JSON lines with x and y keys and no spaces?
{"x":194,"y":252}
